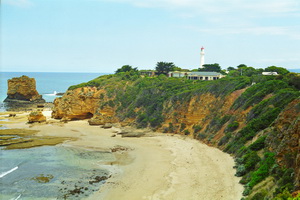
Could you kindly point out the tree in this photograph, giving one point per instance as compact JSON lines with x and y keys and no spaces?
{"x":293,"y":79}
{"x":241,"y":65}
{"x":175,"y":68}
{"x":126,"y":68}
{"x":279,"y":70}
{"x":230,"y":68}
{"x":210,"y":68}
{"x":249,"y":71}
{"x":234,"y":73}
{"x":164,"y":67}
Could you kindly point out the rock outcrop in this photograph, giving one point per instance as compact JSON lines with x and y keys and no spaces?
{"x":83,"y":103}
{"x":23,"y":89}
{"x":36,"y":116}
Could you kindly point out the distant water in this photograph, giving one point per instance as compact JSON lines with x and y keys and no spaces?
{"x":47,"y":83}
{"x":72,"y":172}
{"x":294,"y":70}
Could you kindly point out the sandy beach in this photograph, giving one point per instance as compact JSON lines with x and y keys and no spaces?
{"x":156,"y":166}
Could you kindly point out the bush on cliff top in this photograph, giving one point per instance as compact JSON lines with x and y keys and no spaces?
{"x":257,"y":92}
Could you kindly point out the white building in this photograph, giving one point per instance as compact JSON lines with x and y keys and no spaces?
{"x":208,"y":76}
{"x":269,"y":73}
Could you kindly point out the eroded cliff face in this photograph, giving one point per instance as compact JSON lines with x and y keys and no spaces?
{"x":23,"y":88}
{"x":82,"y":103}
{"x":201,"y":110}
{"x":285,"y":138}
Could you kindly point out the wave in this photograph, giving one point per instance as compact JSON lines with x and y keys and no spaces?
{"x":8,"y":172}
{"x":54,"y":94}
{"x":18,"y":197}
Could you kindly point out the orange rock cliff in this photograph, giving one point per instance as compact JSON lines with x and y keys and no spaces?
{"x":23,"y":88}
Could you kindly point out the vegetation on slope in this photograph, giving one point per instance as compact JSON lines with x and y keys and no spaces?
{"x":147,"y":100}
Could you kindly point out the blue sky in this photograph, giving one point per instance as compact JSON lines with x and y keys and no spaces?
{"x":103,"y":35}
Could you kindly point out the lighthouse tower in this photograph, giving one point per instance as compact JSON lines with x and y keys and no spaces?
{"x":202,"y":57}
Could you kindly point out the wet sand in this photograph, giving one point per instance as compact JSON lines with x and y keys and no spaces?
{"x":156,"y":166}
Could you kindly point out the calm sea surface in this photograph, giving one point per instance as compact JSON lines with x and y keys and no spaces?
{"x":51,"y":172}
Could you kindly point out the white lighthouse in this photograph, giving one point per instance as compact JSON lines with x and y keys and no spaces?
{"x":202,"y":57}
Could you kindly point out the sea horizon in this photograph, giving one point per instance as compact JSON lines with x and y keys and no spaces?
{"x":48,"y":83}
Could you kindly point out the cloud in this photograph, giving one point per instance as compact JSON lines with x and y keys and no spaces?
{"x":18,"y":3}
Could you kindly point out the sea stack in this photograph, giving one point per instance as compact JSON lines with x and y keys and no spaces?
{"x":23,"y":89}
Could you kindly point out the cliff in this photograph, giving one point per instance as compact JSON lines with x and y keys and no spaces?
{"x":257,"y":123}
{"x":23,"y":89}
{"x":82,"y":103}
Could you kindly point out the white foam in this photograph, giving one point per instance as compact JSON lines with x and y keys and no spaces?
{"x":47,"y":113}
{"x":54,"y":94}
{"x":18,"y":197}
{"x":8,"y":172}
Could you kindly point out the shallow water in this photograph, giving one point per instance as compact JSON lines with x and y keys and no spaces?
{"x":52,"y":172}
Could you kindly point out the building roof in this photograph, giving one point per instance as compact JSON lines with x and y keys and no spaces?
{"x":204,"y":74}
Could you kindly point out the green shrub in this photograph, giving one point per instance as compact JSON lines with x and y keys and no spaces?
{"x":232,"y":126}
{"x":186,"y":132}
{"x":263,"y":171}
{"x":182,"y":126}
{"x":259,"y":195}
{"x":258,"y":144}
{"x":201,"y":136}
{"x":285,"y":195}
{"x":224,"y":139}
{"x":286,"y":180}
{"x":250,"y":160}
{"x":240,"y":170}
{"x":257,"y":92}
{"x":197,"y":128}
{"x":171,"y":128}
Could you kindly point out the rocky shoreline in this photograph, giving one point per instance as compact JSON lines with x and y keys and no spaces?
{"x":20,"y":106}
{"x":155,"y":157}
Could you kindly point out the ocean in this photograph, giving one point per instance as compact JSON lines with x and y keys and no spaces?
{"x":51,"y":172}
{"x":47,"y":83}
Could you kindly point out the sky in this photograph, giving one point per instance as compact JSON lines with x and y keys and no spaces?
{"x":103,"y":35}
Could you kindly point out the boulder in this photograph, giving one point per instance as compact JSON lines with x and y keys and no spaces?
{"x":36,"y":116}
{"x":96,"y":121}
{"x":23,"y":89}
{"x":107,"y":125}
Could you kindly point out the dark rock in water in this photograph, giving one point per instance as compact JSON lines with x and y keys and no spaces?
{"x":60,"y":94}
{"x":98,"y":179}
{"x":23,"y":89}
